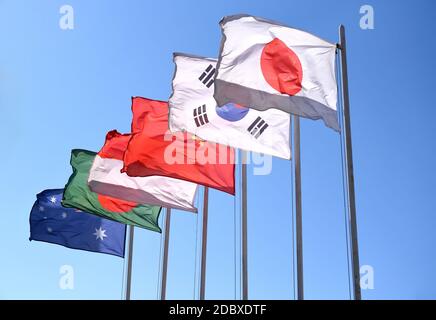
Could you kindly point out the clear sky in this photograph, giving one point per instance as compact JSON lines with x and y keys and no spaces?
{"x":64,"y":89}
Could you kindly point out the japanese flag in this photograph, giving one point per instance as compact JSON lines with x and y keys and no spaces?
{"x":264,"y":65}
{"x":194,"y":109}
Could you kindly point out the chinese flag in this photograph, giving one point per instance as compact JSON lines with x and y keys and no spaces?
{"x":154,"y":150}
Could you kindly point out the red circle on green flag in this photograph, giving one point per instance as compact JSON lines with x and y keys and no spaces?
{"x":281,"y":67}
{"x":115,"y":205}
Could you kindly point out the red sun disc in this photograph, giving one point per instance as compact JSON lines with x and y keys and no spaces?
{"x":281,"y":67}
{"x":115,"y":205}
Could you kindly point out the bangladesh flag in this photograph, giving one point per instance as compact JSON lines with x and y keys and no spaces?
{"x":78,"y":195}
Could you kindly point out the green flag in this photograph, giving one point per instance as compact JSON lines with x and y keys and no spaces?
{"x":78,"y":195}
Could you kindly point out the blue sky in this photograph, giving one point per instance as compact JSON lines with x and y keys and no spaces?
{"x":64,"y":89}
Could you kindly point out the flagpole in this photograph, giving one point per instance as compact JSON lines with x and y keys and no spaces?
{"x":244,"y":228}
{"x":298,"y":209}
{"x":349,"y":166}
{"x":204,"y":243}
{"x":129,"y":262}
{"x":165,"y":255}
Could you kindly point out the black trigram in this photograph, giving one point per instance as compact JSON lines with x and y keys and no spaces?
{"x":207,"y":76}
{"x":257,"y":127}
{"x":200,"y":116}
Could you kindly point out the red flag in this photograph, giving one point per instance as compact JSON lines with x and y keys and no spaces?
{"x":105,"y":178}
{"x":154,"y":150}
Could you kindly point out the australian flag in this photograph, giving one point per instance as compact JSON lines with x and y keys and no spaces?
{"x":72,"y":228}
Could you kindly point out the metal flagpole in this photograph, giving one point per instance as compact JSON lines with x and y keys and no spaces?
{"x":165,"y":254}
{"x":244,"y":227}
{"x":349,"y":164}
{"x":298,"y":209}
{"x":204,"y":244}
{"x":129,"y":263}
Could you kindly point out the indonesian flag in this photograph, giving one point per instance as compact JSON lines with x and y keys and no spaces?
{"x":194,"y":109}
{"x":105,"y":178}
{"x":265,"y":65}
{"x":154,"y":150}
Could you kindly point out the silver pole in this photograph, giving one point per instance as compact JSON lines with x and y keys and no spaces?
{"x":298,"y":209}
{"x":349,"y":165}
{"x":165,"y":255}
{"x":204,"y":243}
{"x":129,"y":263}
{"x":244,"y":228}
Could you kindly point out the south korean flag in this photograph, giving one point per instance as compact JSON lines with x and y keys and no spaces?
{"x":194,"y":109}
